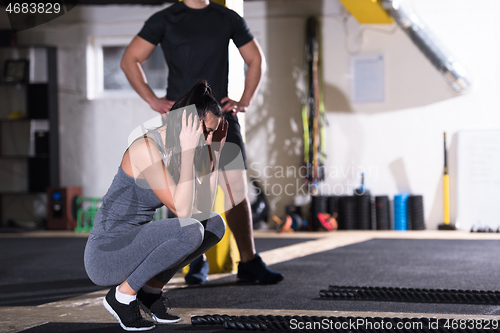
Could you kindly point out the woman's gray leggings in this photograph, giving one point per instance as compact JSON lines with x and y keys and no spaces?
{"x":155,"y":249}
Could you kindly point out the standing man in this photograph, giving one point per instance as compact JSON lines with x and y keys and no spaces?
{"x":194,"y":36}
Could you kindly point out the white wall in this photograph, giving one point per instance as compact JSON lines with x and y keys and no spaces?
{"x":397,"y":142}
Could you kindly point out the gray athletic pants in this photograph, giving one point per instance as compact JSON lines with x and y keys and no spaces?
{"x":155,"y":249}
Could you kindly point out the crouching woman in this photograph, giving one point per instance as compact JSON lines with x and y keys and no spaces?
{"x":173,"y":165}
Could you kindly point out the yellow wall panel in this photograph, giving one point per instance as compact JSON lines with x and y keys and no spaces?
{"x":367,"y":11}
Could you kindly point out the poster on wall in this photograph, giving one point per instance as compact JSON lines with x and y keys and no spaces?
{"x":478,"y":179}
{"x":367,"y":79}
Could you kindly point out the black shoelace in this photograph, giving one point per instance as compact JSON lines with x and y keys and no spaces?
{"x":165,"y":300}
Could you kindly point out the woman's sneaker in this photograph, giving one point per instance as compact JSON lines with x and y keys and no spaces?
{"x":156,"y":305}
{"x":129,"y":316}
{"x":256,"y":271}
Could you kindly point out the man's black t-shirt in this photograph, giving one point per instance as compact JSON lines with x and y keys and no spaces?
{"x":195,"y":44}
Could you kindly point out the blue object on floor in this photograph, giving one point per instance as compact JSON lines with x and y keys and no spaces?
{"x":401,"y":211}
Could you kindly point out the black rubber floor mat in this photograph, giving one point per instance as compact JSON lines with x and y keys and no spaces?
{"x":403,"y":263}
{"x":115,"y":328}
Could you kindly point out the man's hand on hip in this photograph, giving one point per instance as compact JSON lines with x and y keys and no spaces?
{"x":161,"y":105}
{"x":232,"y":106}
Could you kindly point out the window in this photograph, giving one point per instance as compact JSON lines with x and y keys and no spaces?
{"x":105,"y":78}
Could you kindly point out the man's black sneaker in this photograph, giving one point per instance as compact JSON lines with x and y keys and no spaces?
{"x":256,"y":271}
{"x":129,"y":316}
{"x":156,"y":305}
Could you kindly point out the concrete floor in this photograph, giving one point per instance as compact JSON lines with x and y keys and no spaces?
{"x":90,"y":306}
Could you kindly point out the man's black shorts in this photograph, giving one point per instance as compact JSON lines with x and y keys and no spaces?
{"x":233,"y":156}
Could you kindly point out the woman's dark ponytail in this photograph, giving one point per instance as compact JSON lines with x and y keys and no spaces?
{"x":201,"y":96}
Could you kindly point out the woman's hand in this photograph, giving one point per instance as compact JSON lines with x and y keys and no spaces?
{"x":190,"y":132}
{"x":219,"y":136}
